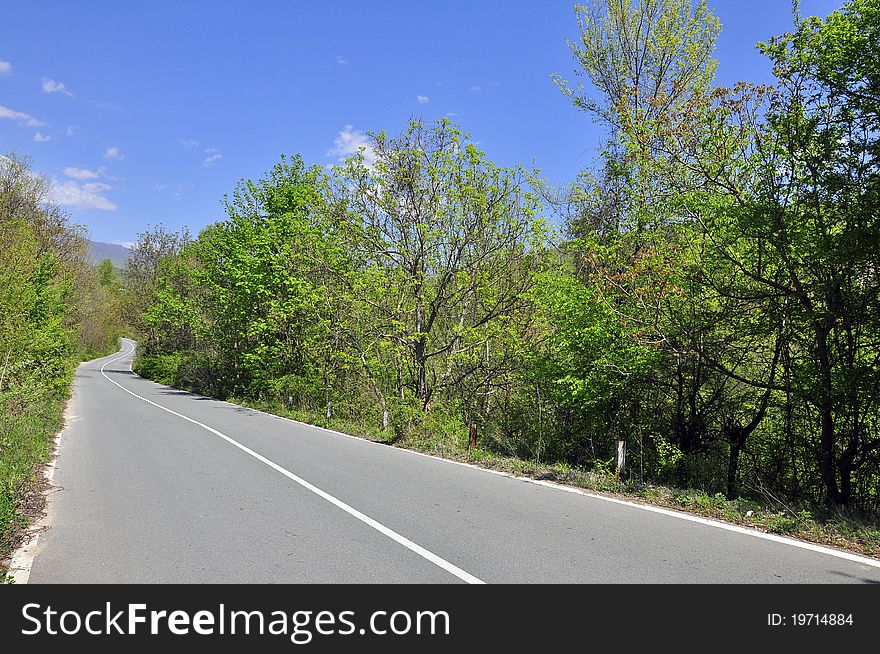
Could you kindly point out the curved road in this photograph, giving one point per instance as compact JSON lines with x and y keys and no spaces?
{"x":159,"y":485}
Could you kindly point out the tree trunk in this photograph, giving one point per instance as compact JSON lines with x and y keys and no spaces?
{"x":828,"y":436}
{"x":422,"y":391}
{"x":826,"y":458}
{"x":735,"y":441}
{"x":846,"y":465}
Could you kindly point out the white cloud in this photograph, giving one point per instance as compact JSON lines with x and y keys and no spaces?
{"x":160,"y":187}
{"x":83,"y":196}
{"x":96,"y":187}
{"x":211,"y":150}
{"x":423,"y":99}
{"x":20,"y":117}
{"x":212,"y":160}
{"x":71,"y":130}
{"x":189,"y":144}
{"x":102,"y":105}
{"x":349,"y":141}
{"x":41,"y":138}
{"x":341,"y":60}
{"x":5,"y":68}
{"x":81,"y":173}
{"x":51,"y":86}
{"x":113,"y":154}
{"x":476,"y":88}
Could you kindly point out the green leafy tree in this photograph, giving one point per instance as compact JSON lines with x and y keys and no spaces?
{"x":107,"y":275}
{"x":634,"y":250}
{"x":253,"y":299}
{"x":787,"y":179}
{"x":643,"y":57}
{"x":431,"y":225}
{"x":53,"y":312}
{"x":141,"y":273}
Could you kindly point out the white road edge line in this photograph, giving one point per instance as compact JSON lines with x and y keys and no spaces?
{"x":784,"y":540}
{"x":367,"y":520}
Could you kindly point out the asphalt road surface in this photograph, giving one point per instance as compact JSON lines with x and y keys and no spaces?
{"x":159,"y":485}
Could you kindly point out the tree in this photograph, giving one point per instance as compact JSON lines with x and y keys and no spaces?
{"x":634,"y":249}
{"x":431,"y":225}
{"x":107,"y":275}
{"x":251,"y":304}
{"x":53,"y":312}
{"x":25,"y":197}
{"x":820,"y":210}
{"x":141,"y":272}
{"x":788,"y":203}
{"x":264,"y":270}
{"x":644,"y":57}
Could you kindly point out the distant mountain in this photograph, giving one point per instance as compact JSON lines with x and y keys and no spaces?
{"x":118,"y":254}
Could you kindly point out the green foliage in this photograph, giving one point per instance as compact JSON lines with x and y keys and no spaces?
{"x":429,"y":226}
{"x":733,"y":233}
{"x":714,"y":302}
{"x":644,"y":57}
{"x":141,"y":274}
{"x":107,"y":275}
{"x":668,"y":455}
{"x":54,"y":311}
{"x":351,"y":298}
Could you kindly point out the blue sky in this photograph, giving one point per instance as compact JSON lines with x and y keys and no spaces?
{"x":149,"y":112}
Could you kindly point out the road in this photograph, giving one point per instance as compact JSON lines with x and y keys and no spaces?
{"x":159,"y":485}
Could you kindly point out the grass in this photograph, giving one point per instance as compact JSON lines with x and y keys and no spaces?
{"x":25,"y":442}
{"x":30,"y":417}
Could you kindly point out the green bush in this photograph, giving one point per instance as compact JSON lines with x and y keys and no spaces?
{"x":163,"y":368}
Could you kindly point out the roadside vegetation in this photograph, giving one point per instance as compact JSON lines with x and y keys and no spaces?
{"x":55,"y":310}
{"x":712,"y":297}
{"x":707,"y":291}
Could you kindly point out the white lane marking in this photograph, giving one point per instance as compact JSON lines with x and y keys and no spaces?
{"x":378,"y":526}
{"x":690,"y":517}
{"x":784,"y":540}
